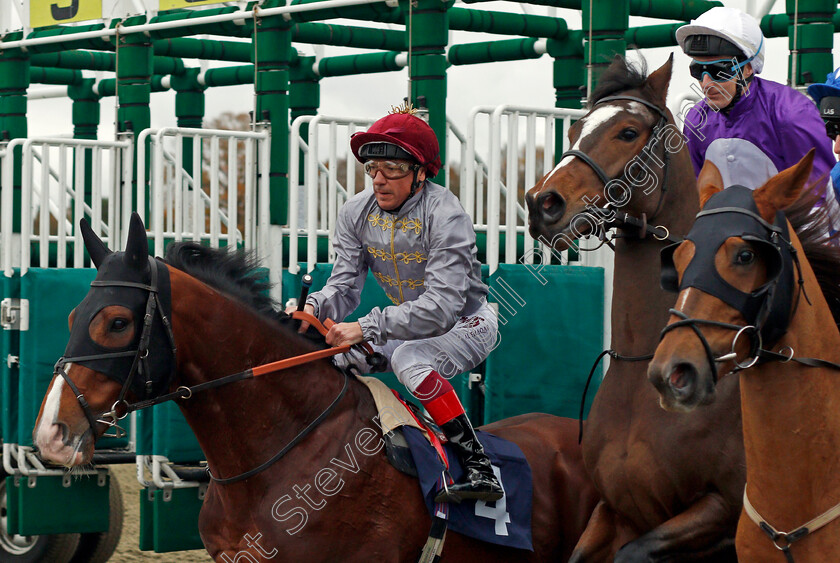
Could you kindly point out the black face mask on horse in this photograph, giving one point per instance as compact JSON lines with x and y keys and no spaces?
{"x":134,"y":280}
{"x":767,"y":309}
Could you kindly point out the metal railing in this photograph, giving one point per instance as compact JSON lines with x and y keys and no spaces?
{"x":187,"y":206}
{"x":57,"y":191}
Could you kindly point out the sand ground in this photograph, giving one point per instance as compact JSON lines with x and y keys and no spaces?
{"x":127,"y":549}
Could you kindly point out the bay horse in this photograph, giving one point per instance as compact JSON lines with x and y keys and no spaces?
{"x":752,"y":304}
{"x":670,"y":485}
{"x":223,"y":323}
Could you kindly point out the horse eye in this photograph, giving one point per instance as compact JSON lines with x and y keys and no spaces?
{"x":118,"y":325}
{"x":628,"y":134}
{"x":745,"y":257}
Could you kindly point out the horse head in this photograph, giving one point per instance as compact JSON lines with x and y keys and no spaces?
{"x":107,"y":362}
{"x":620,"y":149}
{"x":735,"y":278}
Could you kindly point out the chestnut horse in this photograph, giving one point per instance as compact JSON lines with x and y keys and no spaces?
{"x":758,"y":274}
{"x":379,"y":514}
{"x":670,"y":485}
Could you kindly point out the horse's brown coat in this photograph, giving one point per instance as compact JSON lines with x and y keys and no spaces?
{"x":670,"y":484}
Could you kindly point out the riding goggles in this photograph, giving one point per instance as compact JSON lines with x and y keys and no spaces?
{"x":832,"y":129}
{"x":719,"y":71}
{"x":391,"y":170}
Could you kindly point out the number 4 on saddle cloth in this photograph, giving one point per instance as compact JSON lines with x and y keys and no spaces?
{"x":506,"y":521}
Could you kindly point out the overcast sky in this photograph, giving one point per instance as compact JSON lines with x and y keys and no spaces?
{"x":526,"y":83}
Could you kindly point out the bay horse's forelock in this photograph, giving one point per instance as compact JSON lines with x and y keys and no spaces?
{"x":671,"y":484}
{"x":378,"y":513}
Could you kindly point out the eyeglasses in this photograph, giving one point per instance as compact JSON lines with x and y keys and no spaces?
{"x":832,"y":129}
{"x":719,"y":71}
{"x":391,"y":170}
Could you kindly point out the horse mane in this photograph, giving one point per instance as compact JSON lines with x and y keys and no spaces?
{"x":822,"y":249}
{"x":234,"y":272}
{"x":620,"y":76}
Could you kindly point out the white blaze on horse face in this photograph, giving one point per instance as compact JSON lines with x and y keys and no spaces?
{"x":683,"y":299}
{"x":49,"y":436}
{"x":590,"y":124}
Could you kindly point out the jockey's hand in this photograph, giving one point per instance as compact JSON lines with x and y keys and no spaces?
{"x":342,"y":334}
{"x":306,"y":309}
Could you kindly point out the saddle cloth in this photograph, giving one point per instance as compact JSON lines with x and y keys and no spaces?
{"x":504,"y":522}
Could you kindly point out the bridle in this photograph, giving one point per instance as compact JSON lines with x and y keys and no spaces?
{"x":614,"y":218}
{"x":121,"y":408}
{"x":758,"y":354}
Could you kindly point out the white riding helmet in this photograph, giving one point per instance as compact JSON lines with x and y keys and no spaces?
{"x":731,"y":25}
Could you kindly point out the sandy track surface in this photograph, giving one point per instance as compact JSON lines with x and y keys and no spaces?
{"x":127,"y":549}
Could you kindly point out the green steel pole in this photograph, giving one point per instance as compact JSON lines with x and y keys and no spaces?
{"x":204,"y":49}
{"x":503,"y":23}
{"x":189,"y":111}
{"x":229,"y":76}
{"x":85,"y":125}
{"x":134,"y":73}
{"x":663,"y":9}
{"x":41,"y":75}
{"x":379,"y":12}
{"x":494,"y":51}
{"x":97,"y":60}
{"x":429,"y":35}
{"x":569,"y":73}
{"x":359,"y":64}
{"x":272,"y":45}
{"x":345,"y":35}
{"x":304,"y":99}
{"x":108,"y":86}
{"x":810,"y":39}
{"x":14,"y":80}
{"x":604,"y":37}
{"x":652,"y":36}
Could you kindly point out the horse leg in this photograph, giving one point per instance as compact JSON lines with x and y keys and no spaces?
{"x":703,"y":532}
{"x":605,"y":532}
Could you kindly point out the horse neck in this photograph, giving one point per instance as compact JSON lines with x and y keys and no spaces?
{"x":639,"y":305}
{"x":791,"y":418}
{"x":253,"y":418}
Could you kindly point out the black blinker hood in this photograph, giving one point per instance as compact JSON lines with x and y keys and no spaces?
{"x":733,"y":213}
{"x":123,"y":278}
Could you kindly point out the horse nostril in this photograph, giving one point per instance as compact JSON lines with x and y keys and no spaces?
{"x":682,"y":378}
{"x":550,"y":206}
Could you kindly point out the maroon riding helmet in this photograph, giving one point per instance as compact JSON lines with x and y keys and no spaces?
{"x":399,"y":135}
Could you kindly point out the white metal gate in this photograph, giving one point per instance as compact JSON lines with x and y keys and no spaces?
{"x":225,"y":201}
{"x":53,"y":198}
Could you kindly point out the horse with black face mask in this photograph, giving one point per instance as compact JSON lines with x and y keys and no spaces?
{"x":759,"y":298}
{"x":270,"y":434}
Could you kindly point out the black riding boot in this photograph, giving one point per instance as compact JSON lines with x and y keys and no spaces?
{"x":480,"y":482}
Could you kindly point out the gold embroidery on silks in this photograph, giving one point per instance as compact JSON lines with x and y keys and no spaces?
{"x":395,"y":282}
{"x":393,"y":299}
{"x":404,"y":225}
{"x":404,"y":257}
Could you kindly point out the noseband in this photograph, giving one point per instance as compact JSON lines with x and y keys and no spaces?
{"x":622,"y":219}
{"x":141,"y":363}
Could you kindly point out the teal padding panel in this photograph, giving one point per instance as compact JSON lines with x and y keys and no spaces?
{"x":551,"y":329}
{"x":173,"y":437}
{"x":52,"y":295}
{"x":51,"y":505}
{"x":9,"y":375}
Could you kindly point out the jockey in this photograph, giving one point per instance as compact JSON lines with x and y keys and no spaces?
{"x":420,"y":245}
{"x":827,"y":97}
{"x":750,"y":128}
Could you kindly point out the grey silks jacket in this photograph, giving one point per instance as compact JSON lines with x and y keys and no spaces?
{"x":424,"y":258}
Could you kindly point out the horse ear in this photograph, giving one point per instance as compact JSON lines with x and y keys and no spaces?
{"x":660,"y":79}
{"x":709,"y":182}
{"x":94,"y":245}
{"x":784,"y":188}
{"x":137,"y":246}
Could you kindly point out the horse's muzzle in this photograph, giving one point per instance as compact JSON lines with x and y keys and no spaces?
{"x":546,"y":208}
